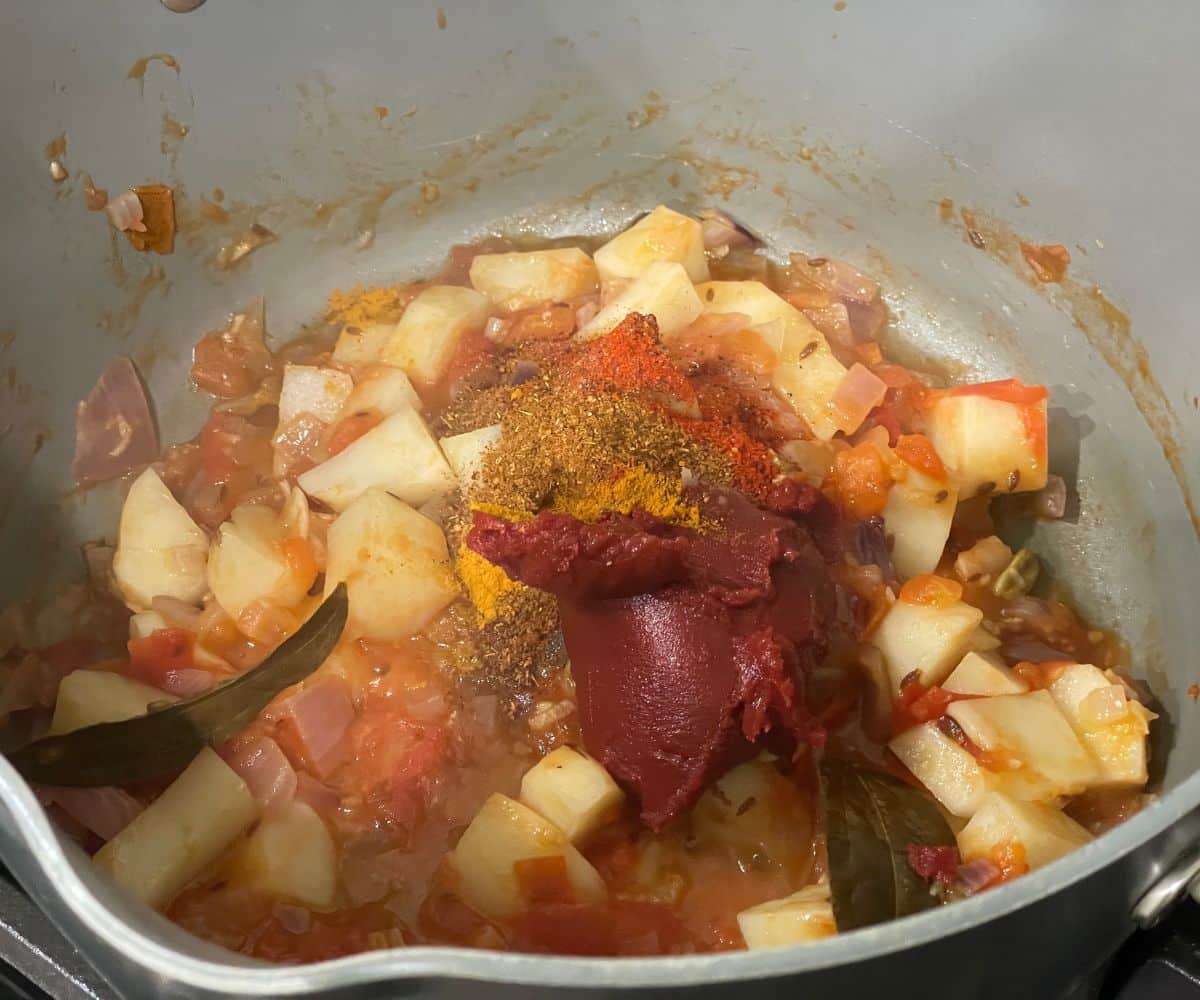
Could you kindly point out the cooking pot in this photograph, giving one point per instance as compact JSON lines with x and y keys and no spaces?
{"x":922,"y":143}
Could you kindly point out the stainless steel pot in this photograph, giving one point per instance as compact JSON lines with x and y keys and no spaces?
{"x":371,"y":136}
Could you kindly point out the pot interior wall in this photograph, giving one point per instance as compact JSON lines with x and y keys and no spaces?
{"x":370,"y":139}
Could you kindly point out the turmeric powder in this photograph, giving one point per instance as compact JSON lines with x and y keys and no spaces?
{"x":363,"y":307}
{"x":486,"y":584}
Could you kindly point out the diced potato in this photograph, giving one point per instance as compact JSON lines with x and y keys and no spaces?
{"x":465,"y":451}
{"x":290,"y":855}
{"x":808,"y":384}
{"x":382,"y":388}
{"x":984,"y":674}
{"x":86,"y":697}
{"x":990,"y":445}
{"x":394,"y":563}
{"x":399,"y":455}
{"x":362,"y":346}
{"x":180,"y":833}
{"x":950,"y":772}
{"x":984,"y":641}
{"x":247,"y":563}
{"x":309,"y":389}
{"x":573,"y":791}
{"x":917,"y":516}
{"x":803,"y":916}
{"x":663,"y":291}
{"x":145,"y":623}
{"x":777,"y":321}
{"x":425,"y":339}
{"x":503,"y":833}
{"x":927,"y":639}
{"x":1030,"y":729}
{"x":1091,"y":703}
{"x":663,"y":235}
{"x":1042,"y":832}
{"x":160,"y":550}
{"x":515,"y":281}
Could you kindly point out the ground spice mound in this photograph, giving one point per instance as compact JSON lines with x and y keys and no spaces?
{"x":363,"y":307}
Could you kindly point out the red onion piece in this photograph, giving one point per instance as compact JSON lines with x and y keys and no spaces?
{"x":977,"y":875}
{"x":125,"y":212}
{"x":859,"y":392}
{"x":319,"y":715}
{"x":719,"y":230}
{"x":186,"y":682}
{"x":266,"y":771}
{"x":293,"y":919}
{"x":319,"y":797}
{"x":839,"y":278}
{"x":114,"y":430}
{"x":106,"y":811}
{"x":1050,"y":502}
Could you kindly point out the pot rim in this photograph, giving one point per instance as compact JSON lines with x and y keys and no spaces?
{"x":249,"y":978}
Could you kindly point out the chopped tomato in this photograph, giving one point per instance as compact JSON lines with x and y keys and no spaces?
{"x":918,"y":451}
{"x":917,"y":704}
{"x":859,"y":480}
{"x":1011,"y":859}
{"x":159,"y":653}
{"x":348,"y":430}
{"x":544,"y":880}
{"x":621,"y":927}
{"x":218,"y":441}
{"x":1041,"y":675}
{"x":934,"y":863}
{"x":931,"y":591}
{"x":1009,"y":390}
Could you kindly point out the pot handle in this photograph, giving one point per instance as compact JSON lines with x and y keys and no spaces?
{"x":1182,"y":879}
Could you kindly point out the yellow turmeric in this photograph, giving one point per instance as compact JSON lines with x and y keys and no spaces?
{"x":487,"y":585}
{"x":363,"y":307}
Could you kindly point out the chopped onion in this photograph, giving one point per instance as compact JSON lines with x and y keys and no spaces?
{"x":1103,"y":707}
{"x":106,"y":811}
{"x":293,"y":919}
{"x":318,"y":796}
{"x":833,"y":320}
{"x":125,"y":212}
{"x":266,"y":771}
{"x":319,"y":715}
{"x":720,"y":230}
{"x":1050,"y":502}
{"x":859,"y":392}
{"x":977,"y":875}
{"x":257,"y":235}
{"x":114,"y":429}
{"x":836,"y":276}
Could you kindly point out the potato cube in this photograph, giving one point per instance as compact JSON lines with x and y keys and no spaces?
{"x":384,"y":389}
{"x":988,"y":444}
{"x":663,"y":291}
{"x":503,"y":833}
{"x":1029,"y":729}
{"x":803,"y":916}
{"x":573,"y":791}
{"x":663,"y":235}
{"x":917,"y":516}
{"x":309,"y":389}
{"x":465,"y":451}
{"x":395,"y":566}
{"x":248,"y":563}
{"x":289,"y":855}
{"x":1041,"y":832}
{"x":950,"y":772}
{"x":160,"y":550}
{"x":930,"y":640}
{"x":515,"y":281}
{"x":984,"y":674}
{"x":86,"y":697}
{"x":180,"y":833}
{"x":1093,"y":705}
{"x":145,"y":623}
{"x":399,"y":455}
{"x":362,"y":346}
{"x":424,"y":341}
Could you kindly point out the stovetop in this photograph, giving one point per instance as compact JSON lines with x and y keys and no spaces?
{"x":37,"y":963}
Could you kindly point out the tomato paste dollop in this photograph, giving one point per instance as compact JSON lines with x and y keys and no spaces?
{"x":688,"y":648}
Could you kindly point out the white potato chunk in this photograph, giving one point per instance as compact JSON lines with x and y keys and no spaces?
{"x":950,"y":772}
{"x":289,"y":855}
{"x":803,"y":916}
{"x":424,"y":341}
{"x":86,"y":697}
{"x":808,"y":384}
{"x":161,"y":552}
{"x":180,"y":833}
{"x":990,"y":445}
{"x":663,"y":235}
{"x":362,"y":346}
{"x":1030,"y":730}
{"x":248,"y":563}
{"x":503,"y":834}
{"x":984,"y":674}
{"x":382,"y":388}
{"x":309,"y":389}
{"x":573,"y":791}
{"x":663,"y":291}
{"x":399,"y":455}
{"x":145,"y":623}
{"x":1040,"y":833}
{"x":515,"y":281}
{"x":394,"y":563}
{"x":930,"y":640}
{"x":465,"y":451}
{"x":1111,"y":725}
{"x":775,"y":319}
{"x":917,"y":516}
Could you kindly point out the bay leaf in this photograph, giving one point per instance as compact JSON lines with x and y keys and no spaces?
{"x":870,"y":820}
{"x":166,"y":739}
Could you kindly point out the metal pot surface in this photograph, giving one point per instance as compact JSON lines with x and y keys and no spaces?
{"x":920,"y":142}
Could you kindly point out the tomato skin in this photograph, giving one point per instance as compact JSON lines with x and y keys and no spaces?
{"x":1009,"y":390}
{"x":918,"y":451}
{"x":918,"y":704}
{"x":162,"y":651}
{"x":348,"y":430}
